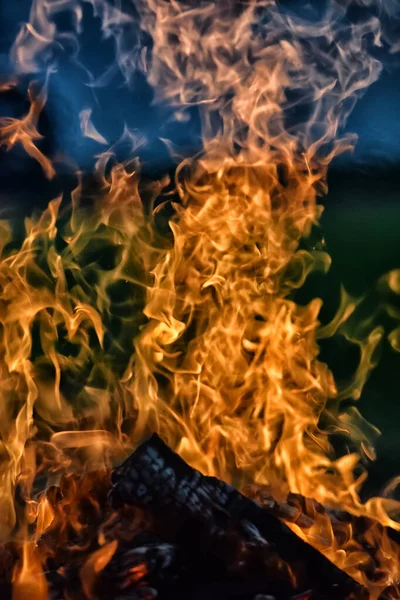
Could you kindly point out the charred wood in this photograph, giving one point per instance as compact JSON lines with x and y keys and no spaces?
{"x":210,"y":518}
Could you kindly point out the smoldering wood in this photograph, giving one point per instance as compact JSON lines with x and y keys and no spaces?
{"x":210,"y":512}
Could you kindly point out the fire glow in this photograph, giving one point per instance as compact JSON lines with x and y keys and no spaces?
{"x":194,"y":335}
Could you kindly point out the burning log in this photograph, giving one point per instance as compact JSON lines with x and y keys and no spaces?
{"x":170,"y":532}
{"x":211,"y":521}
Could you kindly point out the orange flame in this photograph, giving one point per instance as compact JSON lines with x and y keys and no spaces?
{"x":24,"y":131}
{"x":109,"y":330}
{"x":29,"y":582}
{"x":94,"y":565}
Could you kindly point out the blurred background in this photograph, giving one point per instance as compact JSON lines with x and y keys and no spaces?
{"x":360,"y":223}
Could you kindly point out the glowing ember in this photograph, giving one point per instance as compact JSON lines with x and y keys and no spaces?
{"x":110,"y":331}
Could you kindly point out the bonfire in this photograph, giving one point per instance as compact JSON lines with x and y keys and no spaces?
{"x":167,"y":427}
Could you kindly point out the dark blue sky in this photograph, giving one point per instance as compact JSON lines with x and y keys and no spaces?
{"x":375,"y":119}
